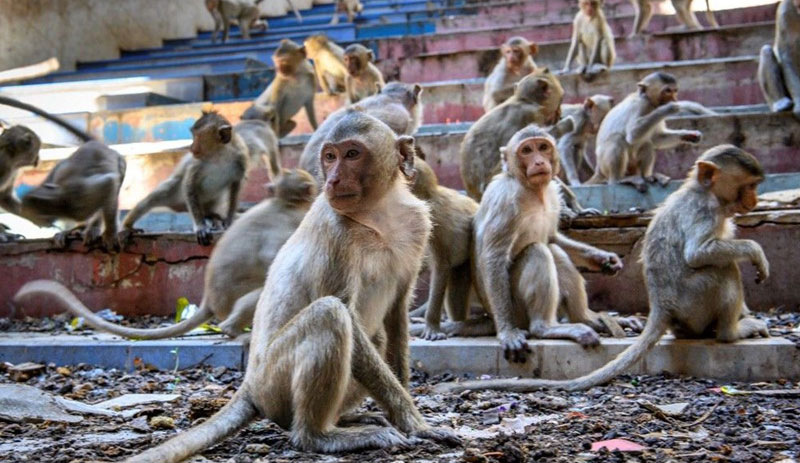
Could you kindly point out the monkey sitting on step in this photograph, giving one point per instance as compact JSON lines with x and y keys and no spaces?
{"x":363,"y":78}
{"x":329,"y":63}
{"x":690,"y":265}
{"x":516,"y":63}
{"x":244,"y":12}
{"x":19,"y":147}
{"x":592,"y":39}
{"x":779,"y":68}
{"x":683,"y":11}
{"x":351,"y":7}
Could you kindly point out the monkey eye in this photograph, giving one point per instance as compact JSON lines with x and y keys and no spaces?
{"x":526,"y":149}
{"x":329,"y":156}
{"x":544,"y":147}
{"x":351,"y":154}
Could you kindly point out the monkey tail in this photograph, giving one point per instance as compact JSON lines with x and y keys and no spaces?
{"x":39,"y":112}
{"x":235,"y":414}
{"x":655,"y":328}
{"x":67,"y":300}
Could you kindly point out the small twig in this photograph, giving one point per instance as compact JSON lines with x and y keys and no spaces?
{"x":703,"y":418}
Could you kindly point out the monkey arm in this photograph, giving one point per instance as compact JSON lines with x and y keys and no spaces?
{"x":587,"y":255}
{"x":703,"y":248}
{"x":191,"y":187}
{"x":573,"y":46}
{"x":9,"y":201}
{"x":233,"y":201}
{"x":641,"y":126}
{"x":595,"y":56}
{"x":396,"y":326}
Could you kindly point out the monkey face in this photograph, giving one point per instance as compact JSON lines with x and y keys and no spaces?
{"x":353,"y":64}
{"x":535,"y":157}
{"x":514,"y":55}
{"x":208,"y":133}
{"x":736,"y":190}
{"x":348,"y":167}
{"x":589,"y":7}
{"x":668,"y":94}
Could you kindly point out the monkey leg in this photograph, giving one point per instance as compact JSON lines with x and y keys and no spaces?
{"x":241,"y":315}
{"x":458,"y":292}
{"x":312,"y":116}
{"x":163,"y":195}
{"x":647,"y":162}
{"x":643,"y":14}
{"x":729,"y":301}
{"x":683,"y":10}
{"x":770,"y":77}
{"x":419,"y":311}
{"x":440,"y":274}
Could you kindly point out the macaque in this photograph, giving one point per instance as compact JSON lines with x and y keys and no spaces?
{"x":537,"y":99}
{"x":255,"y":129}
{"x":19,"y":147}
{"x":690,"y":265}
{"x":331,"y":324}
{"x":779,"y":67}
{"x":292,"y":88}
{"x":634,"y":129}
{"x":448,"y":250}
{"x":398,"y":105}
{"x":572,"y":146}
{"x":592,"y":39}
{"x":351,"y":7}
{"x":235,"y":273}
{"x":363,"y":78}
{"x":683,"y":10}
{"x":206,"y":182}
{"x":516,"y":63}
{"x":329,"y":65}
{"x":244,"y":12}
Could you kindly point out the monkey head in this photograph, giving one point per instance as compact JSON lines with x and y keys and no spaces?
{"x":516,"y":51}
{"x":288,"y":56}
{"x":314,"y":44}
{"x":732,"y":175}
{"x":208,"y":132}
{"x":361,"y":159}
{"x":405,"y":94}
{"x":294,"y":186}
{"x":265,"y":113}
{"x":542,"y":87}
{"x":356,"y":57}
{"x":660,"y":88}
{"x":21,"y":146}
{"x":531,"y":157}
{"x":590,"y":7}
{"x":596,"y":107}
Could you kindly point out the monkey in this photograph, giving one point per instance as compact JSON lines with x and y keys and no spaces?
{"x":572,"y":146}
{"x":329,"y":65}
{"x":245,"y":12}
{"x":205,"y":181}
{"x":592,"y":39}
{"x":515,"y":63}
{"x":235,"y":273}
{"x":363,"y":78}
{"x":683,"y":10}
{"x":779,"y":65}
{"x":255,"y":129}
{"x":351,"y":7}
{"x":19,"y":147}
{"x":537,"y":99}
{"x":331,"y":323}
{"x":691,"y":268}
{"x":633,"y":130}
{"x":398,"y":105}
{"x":292,"y":88}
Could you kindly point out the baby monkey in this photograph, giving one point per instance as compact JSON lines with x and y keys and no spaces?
{"x":516,"y":62}
{"x":592,"y":39}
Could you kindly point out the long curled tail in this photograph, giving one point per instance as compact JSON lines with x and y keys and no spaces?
{"x":68,"y":301}
{"x":238,"y":412}
{"x":655,"y":328}
{"x":39,"y":112}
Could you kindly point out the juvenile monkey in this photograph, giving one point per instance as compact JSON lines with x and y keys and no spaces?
{"x":537,"y":99}
{"x":292,"y":88}
{"x":690,"y":265}
{"x":206,"y":180}
{"x":572,"y":146}
{"x":255,"y":128}
{"x":234,"y":275}
{"x":683,"y":10}
{"x":329,"y":65}
{"x":351,"y":7}
{"x":363,"y":78}
{"x":779,"y":67}
{"x":592,"y":39}
{"x":19,"y":147}
{"x":634,"y":129}
{"x":516,"y":63}
{"x":331,"y":323}
{"x":245,"y":12}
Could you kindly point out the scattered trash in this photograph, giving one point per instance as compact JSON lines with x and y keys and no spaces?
{"x":25,"y":371}
{"x":27,"y":404}
{"x":162,"y":422}
{"x":670,"y":410}
{"x":617,"y":444}
{"x":258,"y":449}
{"x":786,"y":393}
{"x":515,"y":425}
{"x":132,"y":400}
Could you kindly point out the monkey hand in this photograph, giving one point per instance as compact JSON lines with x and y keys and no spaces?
{"x":441,"y":435}
{"x":433,"y":333}
{"x":7,"y":237}
{"x":515,"y":345}
{"x":759,"y":260}
{"x":692,"y":136}
{"x":608,"y":262}
{"x":203,"y":236}
{"x":125,"y":236}
{"x":633,"y":323}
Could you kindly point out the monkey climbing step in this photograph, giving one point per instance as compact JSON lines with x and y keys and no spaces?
{"x":751,"y":360}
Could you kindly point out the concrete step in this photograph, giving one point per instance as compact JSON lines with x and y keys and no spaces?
{"x":749,"y":361}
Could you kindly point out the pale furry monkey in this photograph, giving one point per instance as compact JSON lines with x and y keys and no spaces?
{"x":633,"y":130}
{"x":691,"y":267}
{"x":19,"y":147}
{"x":329,"y":65}
{"x":234,"y":275}
{"x":351,"y":7}
{"x":255,"y":129}
{"x":592,"y":40}
{"x":331,"y":323}
{"x":244,"y":12}
{"x":683,"y":10}
{"x":779,"y":68}
{"x":363,"y":78}
{"x":572,"y":146}
{"x":516,"y":62}
{"x":206,"y":183}
{"x":292,"y":88}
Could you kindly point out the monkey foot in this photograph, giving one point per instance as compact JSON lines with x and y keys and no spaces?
{"x":441,"y":435}
{"x":363,"y":419}
{"x":662,"y":179}
{"x":784,"y":104}
{"x":433,"y":334}
{"x":7,"y":237}
{"x":515,"y":345}
{"x":125,"y":236}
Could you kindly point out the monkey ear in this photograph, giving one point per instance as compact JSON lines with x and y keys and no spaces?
{"x":642,"y":88}
{"x":371,"y":56}
{"x":405,"y":147}
{"x":534,"y":49}
{"x":302,"y":51}
{"x":588,"y":104}
{"x":543,"y":85}
{"x":378,"y":87}
{"x":270,"y":188}
{"x":707,"y":173}
{"x":417,"y":91}
{"x":225,"y":133}
{"x":546,"y":70}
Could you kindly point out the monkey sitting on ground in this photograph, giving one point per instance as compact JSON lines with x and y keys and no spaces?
{"x":592,"y":39}
{"x":690,"y":265}
{"x":351,"y":7}
{"x":329,"y":63}
{"x":205,"y":181}
{"x":19,"y":147}
{"x":244,"y":12}
{"x":634,"y":129}
{"x":331,"y":324}
{"x":779,"y":67}
{"x":255,"y":128}
{"x":363,"y":78}
{"x":683,"y":11}
{"x":537,"y":99}
{"x":516,"y":63}
{"x":292,"y":88}
{"x":572,"y":146}
{"x":235,"y":272}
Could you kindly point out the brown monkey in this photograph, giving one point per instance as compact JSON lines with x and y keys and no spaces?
{"x":592,"y":39}
{"x":331,"y":323}
{"x":516,"y":62}
{"x":634,"y":129}
{"x":329,"y":63}
{"x":363,"y":78}
{"x":398,"y":105}
{"x":572,"y":146}
{"x":448,"y":250}
{"x":205,"y":181}
{"x":537,"y":99}
{"x":235,"y":272}
{"x":255,"y":128}
{"x":292,"y":88}
{"x":351,"y":7}
{"x":19,"y":147}
{"x":779,"y":68}
{"x":690,"y":265}
{"x":245,"y":12}
{"x":683,"y":10}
